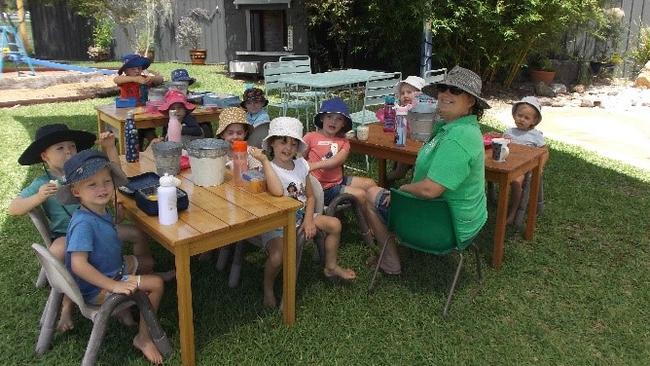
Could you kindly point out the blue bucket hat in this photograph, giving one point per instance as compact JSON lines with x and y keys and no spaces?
{"x":133,"y":60}
{"x":83,"y":166}
{"x":334,"y":105}
{"x":182,"y":75}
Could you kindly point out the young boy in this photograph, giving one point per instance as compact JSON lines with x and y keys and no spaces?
{"x":254,"y":103}
{"x":94,"y":250}
{"x":53,"y":146}
{"x":175,"y":100}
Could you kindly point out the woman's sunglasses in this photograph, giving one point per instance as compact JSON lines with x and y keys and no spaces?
{"x":452,"y":89}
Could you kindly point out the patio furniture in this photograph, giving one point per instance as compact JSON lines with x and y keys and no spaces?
{"x":377,"y":89}
{"x":302,"y":62}
{"x":40,"y":221}
{"x":426,"y":226}
{"x":62,"y":283}
{"x":273,"y":72}
{"x":434,"y":76}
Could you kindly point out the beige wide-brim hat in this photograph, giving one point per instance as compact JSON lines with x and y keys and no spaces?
{"x":464,"y":79}
{"x":533,"y":102}
{"x":233,"y":115}
{"x":285,"y":126}
{"x":414,"y":81}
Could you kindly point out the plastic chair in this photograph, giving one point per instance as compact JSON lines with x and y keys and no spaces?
{"x":302,"y":61}
{"x":426,"y":226}
{"x":377,"y":89}
{"x":434,"y":76}
{"x":40,"y":221}
{"x":61,"y":282}
{"x":273,"y":71}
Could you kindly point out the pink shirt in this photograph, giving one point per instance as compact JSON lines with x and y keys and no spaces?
{"x":321,"y":147}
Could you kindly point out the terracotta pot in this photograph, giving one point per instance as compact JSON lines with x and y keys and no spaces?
{"x":545,"y":76}
{"x":198,"y":56}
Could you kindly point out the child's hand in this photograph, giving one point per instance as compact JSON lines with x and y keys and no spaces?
{"x":126,"y":287}
{"x":259,"y":154}
{"x":47,"y":190}
{"x":106,"y":140}
{"x":309,"y":228}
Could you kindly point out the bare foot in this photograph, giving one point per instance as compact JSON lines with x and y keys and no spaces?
{"x":65,"y":322}
{"x":148,"y":349}
{"x":337,"y":272}
{"x":167,"y":276}
{"x":269,"y":300}
{"x":126,"y":318}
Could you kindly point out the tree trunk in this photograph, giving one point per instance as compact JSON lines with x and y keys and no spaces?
{"x":22,"y":27}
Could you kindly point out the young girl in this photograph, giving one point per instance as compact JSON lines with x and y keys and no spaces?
{"x":254,"y":103}
{"x":175,"y":100}
{"x":407,"y":91}
{"x":287,"y":175}
{"x":327,"y":149}
{"x":527,"y":113}
{"x":234,"y":126}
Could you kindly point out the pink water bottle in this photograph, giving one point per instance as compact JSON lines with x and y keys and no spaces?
{"x":389,"y":114}
{"x":239,"y":161}
{"x":174,"y":127}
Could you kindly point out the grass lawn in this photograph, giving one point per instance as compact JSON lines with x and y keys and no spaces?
{"x":576,"y":294}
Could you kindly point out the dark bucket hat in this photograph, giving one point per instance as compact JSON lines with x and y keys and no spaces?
{"x":133,"y":60}
{"x":334,"y":105}
{"x":49,"y":135}
{"x":182,"y":75}
{"x":83,"y":166}
{"x":464,"y":79}
{"x":255,"y":95}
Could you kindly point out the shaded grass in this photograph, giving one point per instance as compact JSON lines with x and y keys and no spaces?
{"x":575,"y":295}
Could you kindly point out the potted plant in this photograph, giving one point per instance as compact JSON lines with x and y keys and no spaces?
{"x":542,"y":69}
{"x":100,"y":50}
{"x":189,"y":32}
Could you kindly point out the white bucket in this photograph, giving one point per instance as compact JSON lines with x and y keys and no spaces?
{"x":208,"y":161}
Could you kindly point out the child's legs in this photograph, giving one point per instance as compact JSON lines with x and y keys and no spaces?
{"x":399,"y":171}
{"x":272,"y":268}
{"x":57,"y":248}
{"x":362,"y":183}
{"x":132,"y":234}
{"x":515,"y":197}
{"x":331,"y":226}
{"x":153,"y":287}
{"x":358,"y":193}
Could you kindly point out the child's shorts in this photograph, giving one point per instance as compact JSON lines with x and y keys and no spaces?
{"x":330,"y":193}
{"x":129,"y":268}
{"x":382,"y":208}
{"x":273,"y":234}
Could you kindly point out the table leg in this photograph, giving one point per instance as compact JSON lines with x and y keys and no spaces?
{"x":120,"y":138}
{"x":100,"y":124}
{"x":381,"y":165}
{"x":531,"y":221}
{"x":500,"y":226}
{"x":289,"y":271}
{"x":184,"y":293}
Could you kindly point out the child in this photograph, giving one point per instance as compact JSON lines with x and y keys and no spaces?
{"x":234,"y":126}
{"x":53,"y":145}
{"x":407,"y":91}
{"x":285,"y":172}
{"x":135,"y":83}
{"x":527,"y":113}
{"x":327,"y":149}
{"x":184,"y":76}
{"x":94,"y":250}
{"x":254,"y":103}
{"x":175,"y":100}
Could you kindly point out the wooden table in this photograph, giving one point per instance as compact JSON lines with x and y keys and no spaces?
{"x":522,"y":159}
{"x":116,"y":117}
{"x":217,"y":216}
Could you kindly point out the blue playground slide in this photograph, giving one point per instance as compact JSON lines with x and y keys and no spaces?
{"x":56,"y":65}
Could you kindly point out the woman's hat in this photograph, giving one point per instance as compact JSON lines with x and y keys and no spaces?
{"x":182,"y":75}
{"x":83,"y":166}
{"x":133,"y":60}
{"x":334,"y":105}
{"x":414,"y":81}
{"x":285,"y":126}
{"x":255,"y":95}
{"x":232,"y":115}
{"x":533,"y":102}
{"x":49,"y":135}
{"x":174,"y":96}
{"x":464,"y":79}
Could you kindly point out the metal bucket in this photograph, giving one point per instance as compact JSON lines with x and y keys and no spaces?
{"x":420,"y":120}
{"x":178,"y":85}
{"x":156,"y":94}
{"x":208,"y":161}
{"x":167,"y":156}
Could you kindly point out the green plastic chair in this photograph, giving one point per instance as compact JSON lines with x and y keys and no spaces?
{"x":426,"y":226}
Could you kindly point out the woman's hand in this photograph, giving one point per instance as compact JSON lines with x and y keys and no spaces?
{"x":259,"y":155}
{"x":309,"y":228}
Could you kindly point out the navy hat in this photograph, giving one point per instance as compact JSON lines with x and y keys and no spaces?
{"x":255,"y":95}
{"x":334,"y":105}
{"x":83,"y":166}
{"x":49,"y":135}
{"x":182,"y":75}
{"x":133,"y":60}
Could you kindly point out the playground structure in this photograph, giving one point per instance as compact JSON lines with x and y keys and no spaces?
{"x":12,"y":49}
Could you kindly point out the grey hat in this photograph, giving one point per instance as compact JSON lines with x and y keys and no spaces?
{"x":533,"y":102}
{"x":83,"y":166}
{"x":464,"y":79}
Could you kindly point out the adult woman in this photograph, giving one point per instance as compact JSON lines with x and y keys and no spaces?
{"x":450,"y":165}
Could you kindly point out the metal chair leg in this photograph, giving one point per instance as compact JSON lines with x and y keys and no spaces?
{"x":479,"y":270}
{"x":453,"y":284}
{"x":381,"y":257}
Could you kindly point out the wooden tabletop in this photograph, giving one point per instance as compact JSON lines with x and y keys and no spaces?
{"x":141,"y":115}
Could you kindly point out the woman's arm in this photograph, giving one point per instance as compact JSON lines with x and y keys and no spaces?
{"x":425,"y":188}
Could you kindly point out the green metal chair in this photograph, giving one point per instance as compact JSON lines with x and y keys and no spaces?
{"x":426,"y":226}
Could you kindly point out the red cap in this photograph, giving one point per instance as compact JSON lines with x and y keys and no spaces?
{"x":239,"y":146}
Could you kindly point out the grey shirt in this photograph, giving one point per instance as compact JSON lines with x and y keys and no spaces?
{"x":532,"y":137}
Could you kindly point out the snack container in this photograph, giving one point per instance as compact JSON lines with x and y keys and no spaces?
{"x":254,"y":181}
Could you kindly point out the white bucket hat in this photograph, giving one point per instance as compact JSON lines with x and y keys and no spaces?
{"x":414,"y":81}
{"x":533,"y":102}
{"x":285,"y":126}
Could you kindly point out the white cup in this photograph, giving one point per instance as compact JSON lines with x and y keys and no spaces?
{"x":500,"y":149}
{"x":350,"y":134}
{"x":363,"y":132}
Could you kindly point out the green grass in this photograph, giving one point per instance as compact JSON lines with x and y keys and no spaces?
{"x":575,"y":295}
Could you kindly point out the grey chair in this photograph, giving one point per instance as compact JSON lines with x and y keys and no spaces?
{"x":61,"y":282}
{"x":40,"y":221}
{"x":259,"y":133}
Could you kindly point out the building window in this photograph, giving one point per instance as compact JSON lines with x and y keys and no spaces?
{"x":268,"y":30}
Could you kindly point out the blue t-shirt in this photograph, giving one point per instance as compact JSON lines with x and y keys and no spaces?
{"x":257,"y":118}
{"x":97,"y":236}
{"x":54,"y":210}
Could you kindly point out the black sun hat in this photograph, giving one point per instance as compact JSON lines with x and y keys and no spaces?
{"x":49,"y":135}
